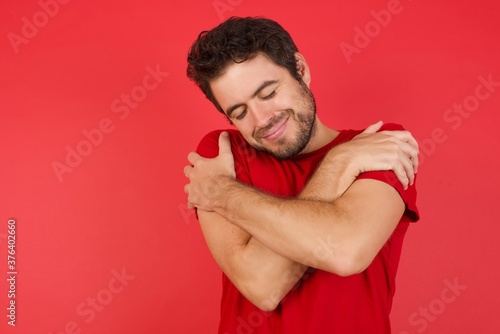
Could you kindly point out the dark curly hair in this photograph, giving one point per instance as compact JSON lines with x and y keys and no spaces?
{"x":237,"y":40}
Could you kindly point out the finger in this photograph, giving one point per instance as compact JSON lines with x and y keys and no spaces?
{"x":413,"y":157}
{"x":373,"y":127}
{"x":224,"y":143}
{"x":405,"y":136}
{"x":414,"y":160}
{"x":408,"y":167}
{"x":401,"y":135}
{"x":414,"y":154}
{"x":413,"y":142}
{"x":186,"y":188}
{"x":402,"y":176}
{"x":415,"y":163}
{"x":411,"y":152}
{"x":193,"y":157}
{"x":408,"y":138}
{"x":187,"y":169}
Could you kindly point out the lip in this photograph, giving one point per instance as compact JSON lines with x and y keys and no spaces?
{"x":276,"y":131}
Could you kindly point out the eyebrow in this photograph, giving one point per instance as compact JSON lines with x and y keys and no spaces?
{"x":265,"y":84}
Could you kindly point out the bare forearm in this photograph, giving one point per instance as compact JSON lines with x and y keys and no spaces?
{"x":332,"y":178}
{"x":298,"y":229}
{"x":261,"y":275}
{"x":266,"y":276}
{"x":341,"y":237}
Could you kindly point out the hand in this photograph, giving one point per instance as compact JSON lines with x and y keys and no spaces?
{"x":207,"y":176}
{"x":385,"y":150}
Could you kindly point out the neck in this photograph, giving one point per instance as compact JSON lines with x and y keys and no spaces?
{"x":321,"y":136}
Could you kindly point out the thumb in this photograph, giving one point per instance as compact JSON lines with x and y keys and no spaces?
{"x":224,"y":143}
{"x":374,"y":127}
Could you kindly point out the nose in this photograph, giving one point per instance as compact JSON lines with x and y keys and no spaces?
{"x":262,"y":114}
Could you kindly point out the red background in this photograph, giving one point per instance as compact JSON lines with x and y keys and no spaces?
{"x":122,"y":207}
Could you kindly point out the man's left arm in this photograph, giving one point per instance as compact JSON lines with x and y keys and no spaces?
{"x":341,"y":236}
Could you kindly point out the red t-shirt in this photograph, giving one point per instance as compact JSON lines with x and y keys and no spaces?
{"x":321,"y":302}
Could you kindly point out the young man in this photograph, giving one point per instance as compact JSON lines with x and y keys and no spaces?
{"x":306,"y":222}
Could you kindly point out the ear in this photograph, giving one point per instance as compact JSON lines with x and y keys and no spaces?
{"x":303,"y":68}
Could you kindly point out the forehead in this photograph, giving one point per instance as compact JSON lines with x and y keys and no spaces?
{"x":240,"y":80}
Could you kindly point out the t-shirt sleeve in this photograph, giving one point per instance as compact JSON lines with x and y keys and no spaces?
{"x":209,"y":145}
{"x":409,"y":195}
{"x":209,"y":148}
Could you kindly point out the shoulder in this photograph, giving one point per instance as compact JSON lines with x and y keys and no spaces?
{"x":348,"y":134}
{"x":408,"y":195}
{"x":384,"y":127}
{"x":391,"y":126}
{"x":243,"y":152}
{"x":208,"y":146}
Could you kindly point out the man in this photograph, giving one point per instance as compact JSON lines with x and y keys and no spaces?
{"x":306,"y":222}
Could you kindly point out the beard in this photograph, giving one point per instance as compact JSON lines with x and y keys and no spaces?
{"x":306,"y":122}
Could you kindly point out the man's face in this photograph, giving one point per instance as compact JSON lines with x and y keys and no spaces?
{"x":273,"y":111}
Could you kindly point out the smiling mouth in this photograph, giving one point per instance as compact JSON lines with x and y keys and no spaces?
{"x":276,"y":130}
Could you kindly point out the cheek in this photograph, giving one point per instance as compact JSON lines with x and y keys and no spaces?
{"x":282,"y":101}
{"x":289,"y":101}
{"x":245,"y":128}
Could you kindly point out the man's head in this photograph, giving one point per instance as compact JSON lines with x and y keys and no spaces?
{"x":252,"y":72}
{"x":238,"y":40}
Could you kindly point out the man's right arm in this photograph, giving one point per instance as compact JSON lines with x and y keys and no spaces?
{"x":260,"y":274}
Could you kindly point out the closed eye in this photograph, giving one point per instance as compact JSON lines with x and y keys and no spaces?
{"x":241,"y":115}
{"x":270,"y":96}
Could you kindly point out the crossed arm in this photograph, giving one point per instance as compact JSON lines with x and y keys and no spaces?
{"x":335,"y":224}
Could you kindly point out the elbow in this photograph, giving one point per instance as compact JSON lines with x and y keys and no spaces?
{"x":348,"y":264}
{"x":267,"y":299}
{"x":267,"y":305}
{"x":351,"y":269}
{"x":262,"y":295}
